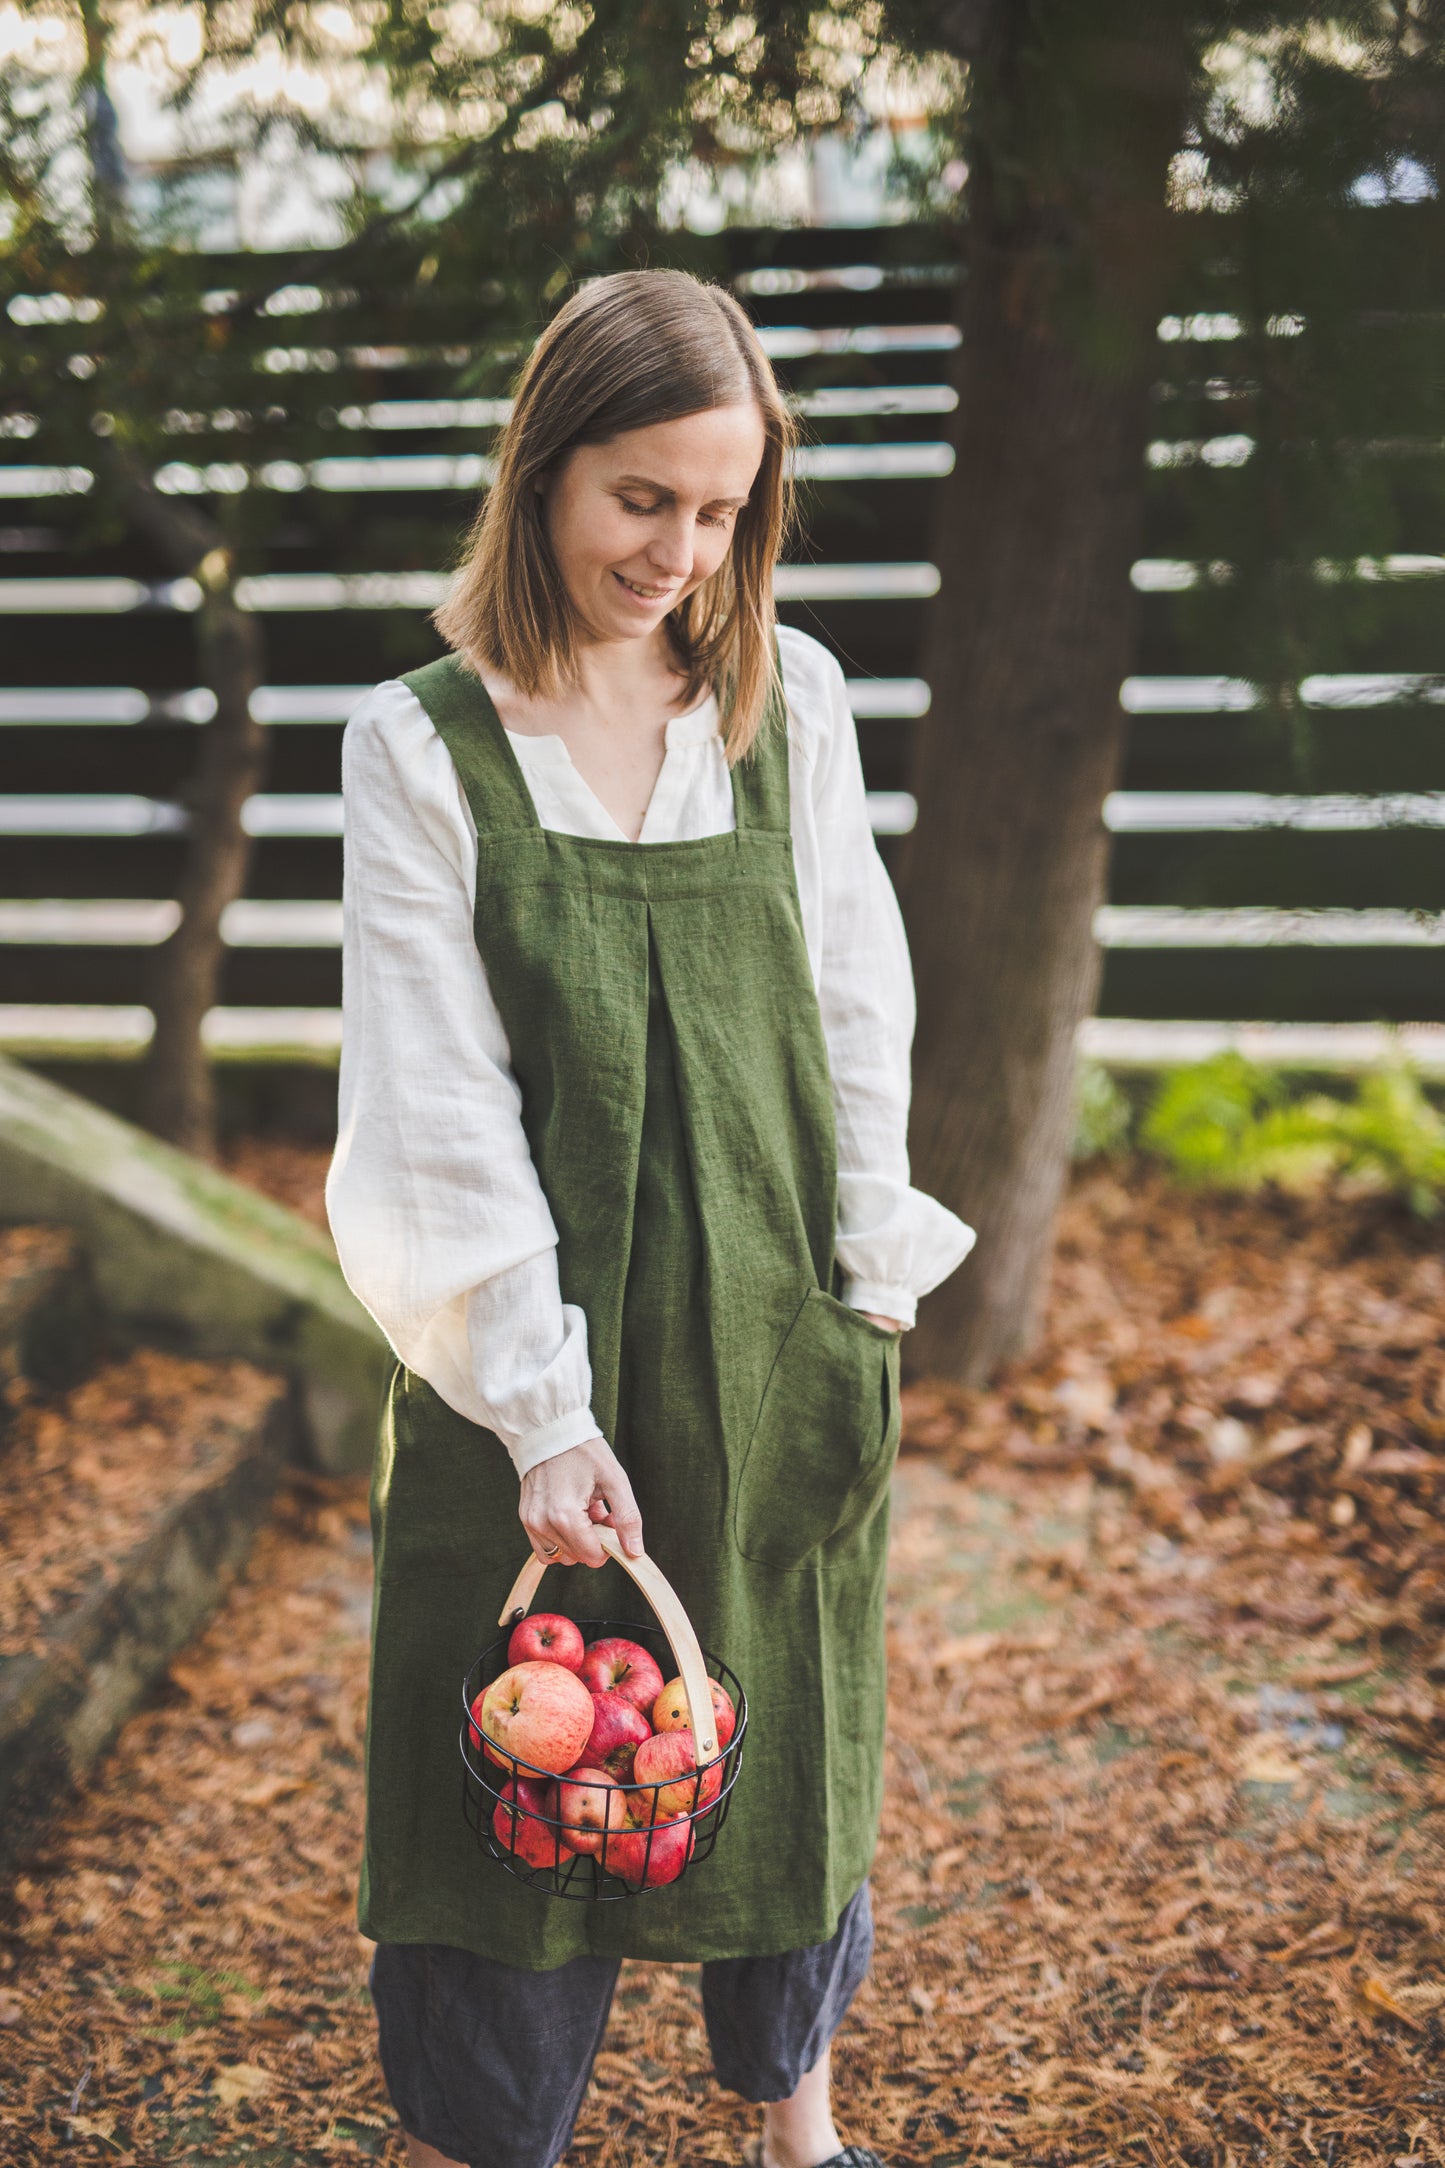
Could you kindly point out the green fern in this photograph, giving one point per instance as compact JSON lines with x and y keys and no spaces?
{"x":1229,"y":1124}
{"x":1205,"y":1119}
{"x":1393,"y":1138}
{"x":1103,"y":1116}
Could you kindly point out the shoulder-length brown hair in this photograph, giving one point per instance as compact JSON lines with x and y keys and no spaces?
{"x":624,"y":352}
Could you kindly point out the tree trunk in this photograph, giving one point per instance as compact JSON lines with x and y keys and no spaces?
{"x":1025,"y":652}
{"x":179,"y":1101}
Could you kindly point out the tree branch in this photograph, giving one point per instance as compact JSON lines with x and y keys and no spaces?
{"x":185,"y":534}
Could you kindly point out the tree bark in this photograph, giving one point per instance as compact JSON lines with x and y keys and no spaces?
{"x":178,"y":1095}
{"x":1025,"y":651}
{"x":179,"y":1099}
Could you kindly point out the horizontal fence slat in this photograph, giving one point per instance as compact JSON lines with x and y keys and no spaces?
{"x":1133,"y":1043}
{"x":111,"y":1031}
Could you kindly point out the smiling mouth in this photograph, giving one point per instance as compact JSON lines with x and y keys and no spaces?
{"x":644,"y":594}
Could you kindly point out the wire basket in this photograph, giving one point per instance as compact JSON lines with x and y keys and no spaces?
{"x":601,"y":1843}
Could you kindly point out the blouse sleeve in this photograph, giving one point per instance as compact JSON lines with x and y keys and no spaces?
{"x":439,"y":1218}
{"x":894,"y":1243}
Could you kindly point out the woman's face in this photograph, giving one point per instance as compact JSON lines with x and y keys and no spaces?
{"x":639,"y":522}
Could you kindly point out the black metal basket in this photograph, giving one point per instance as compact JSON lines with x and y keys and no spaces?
{"x":643,"y":1853}
{"x":525,"y":1831}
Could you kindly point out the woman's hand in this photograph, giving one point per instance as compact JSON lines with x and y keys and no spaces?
{"x":888,"y":1324}
{"x":565,"y":1498}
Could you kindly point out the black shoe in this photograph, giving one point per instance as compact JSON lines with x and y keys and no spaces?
{"x":852,"y":2156}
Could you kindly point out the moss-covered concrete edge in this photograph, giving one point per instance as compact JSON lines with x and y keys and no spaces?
{"x":187,"y":1258}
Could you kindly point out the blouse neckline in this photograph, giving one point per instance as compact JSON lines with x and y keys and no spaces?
{"x":695,"y":727}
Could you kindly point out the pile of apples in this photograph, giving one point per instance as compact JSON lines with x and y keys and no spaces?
{"x":600,"y":1718}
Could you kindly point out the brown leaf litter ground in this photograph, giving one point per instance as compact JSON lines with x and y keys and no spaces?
{"x":1161,"y":1878}
{"x":79,"y":1478}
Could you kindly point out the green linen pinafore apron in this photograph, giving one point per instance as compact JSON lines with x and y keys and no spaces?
{"x":666,"y":1039}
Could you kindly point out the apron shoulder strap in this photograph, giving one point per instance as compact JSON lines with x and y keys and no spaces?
{"x":760,"y":782}
{"x":466,"y":721}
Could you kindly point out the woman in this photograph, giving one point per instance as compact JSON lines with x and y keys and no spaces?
{"x":622,"y":1174}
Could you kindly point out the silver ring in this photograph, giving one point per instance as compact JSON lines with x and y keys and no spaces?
{"x":550,"y":1550}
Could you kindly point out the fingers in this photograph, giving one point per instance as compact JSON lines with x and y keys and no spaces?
{"x":563,"y":1537}
{"x":547,"y":1548}
{"x":582,"y":1545}
{"x":622,"y":1515}
{"x":565,"y":1499}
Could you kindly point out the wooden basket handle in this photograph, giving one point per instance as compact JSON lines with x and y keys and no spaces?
{"x":671,"y":1616}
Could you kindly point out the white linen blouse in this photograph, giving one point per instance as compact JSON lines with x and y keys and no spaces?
{"x":439,"y":1218}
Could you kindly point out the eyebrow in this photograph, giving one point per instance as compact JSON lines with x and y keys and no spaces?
{"x":660,"y":489}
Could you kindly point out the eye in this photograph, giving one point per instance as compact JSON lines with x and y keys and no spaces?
{"x":638,"y":511}
{"x":715,"y":519}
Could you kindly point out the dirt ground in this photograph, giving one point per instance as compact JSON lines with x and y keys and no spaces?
{"x":1162,"y":1876}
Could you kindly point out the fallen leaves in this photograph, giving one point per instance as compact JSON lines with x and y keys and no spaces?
{"x":92,"y":2126}
{"x":1091,"y":1702}
{"x":235,"y":2082}
{"x":1212,"y":1357}
{"x":270,"y":1789}
{"x":1379,"y":2002}
{"x":1079,"y":1666}
{"x":1171,"y":1917}
{"x":1359,"y":1441}
{"x":966,"y":1649}
{"x":290,"y":1172}
{"x":80,"y":1477}
{"x":1267,"y":1762}
{"x":1329,"y":1939}
{"x":176,"y":1920}
{"x":191,"y":1678}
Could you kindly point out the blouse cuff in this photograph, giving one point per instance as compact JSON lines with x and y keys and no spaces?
{"x":550,"y":1439}
{"x":895,"y":1241}
{"x":894,"y":1302}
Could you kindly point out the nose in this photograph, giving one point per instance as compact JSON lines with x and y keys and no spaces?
{"x":669,"y":550}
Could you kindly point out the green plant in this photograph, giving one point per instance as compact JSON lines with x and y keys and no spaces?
{"x":1394,"y":1138}
{"x":200,"y":1995}
{"x":1229,"y":1124}
{"x":1103,"y":1116}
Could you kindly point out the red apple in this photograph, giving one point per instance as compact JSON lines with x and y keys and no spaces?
{"x":668,"y":1760}
{"x":670,"y":1711}
{"x":630,"y":1857}
{"x":590,"y":1806}
{"x":547,"y":1638}
{"x":537,"y":1713}
{"x":489,"y":1752}
{"x":618,"y":1730}
{"x":621,"y":1667}
{"x":518,"y":1824}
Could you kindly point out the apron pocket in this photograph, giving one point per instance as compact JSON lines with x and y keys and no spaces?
{"x":823,"y":1447}
{"x":444,"y":1492}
